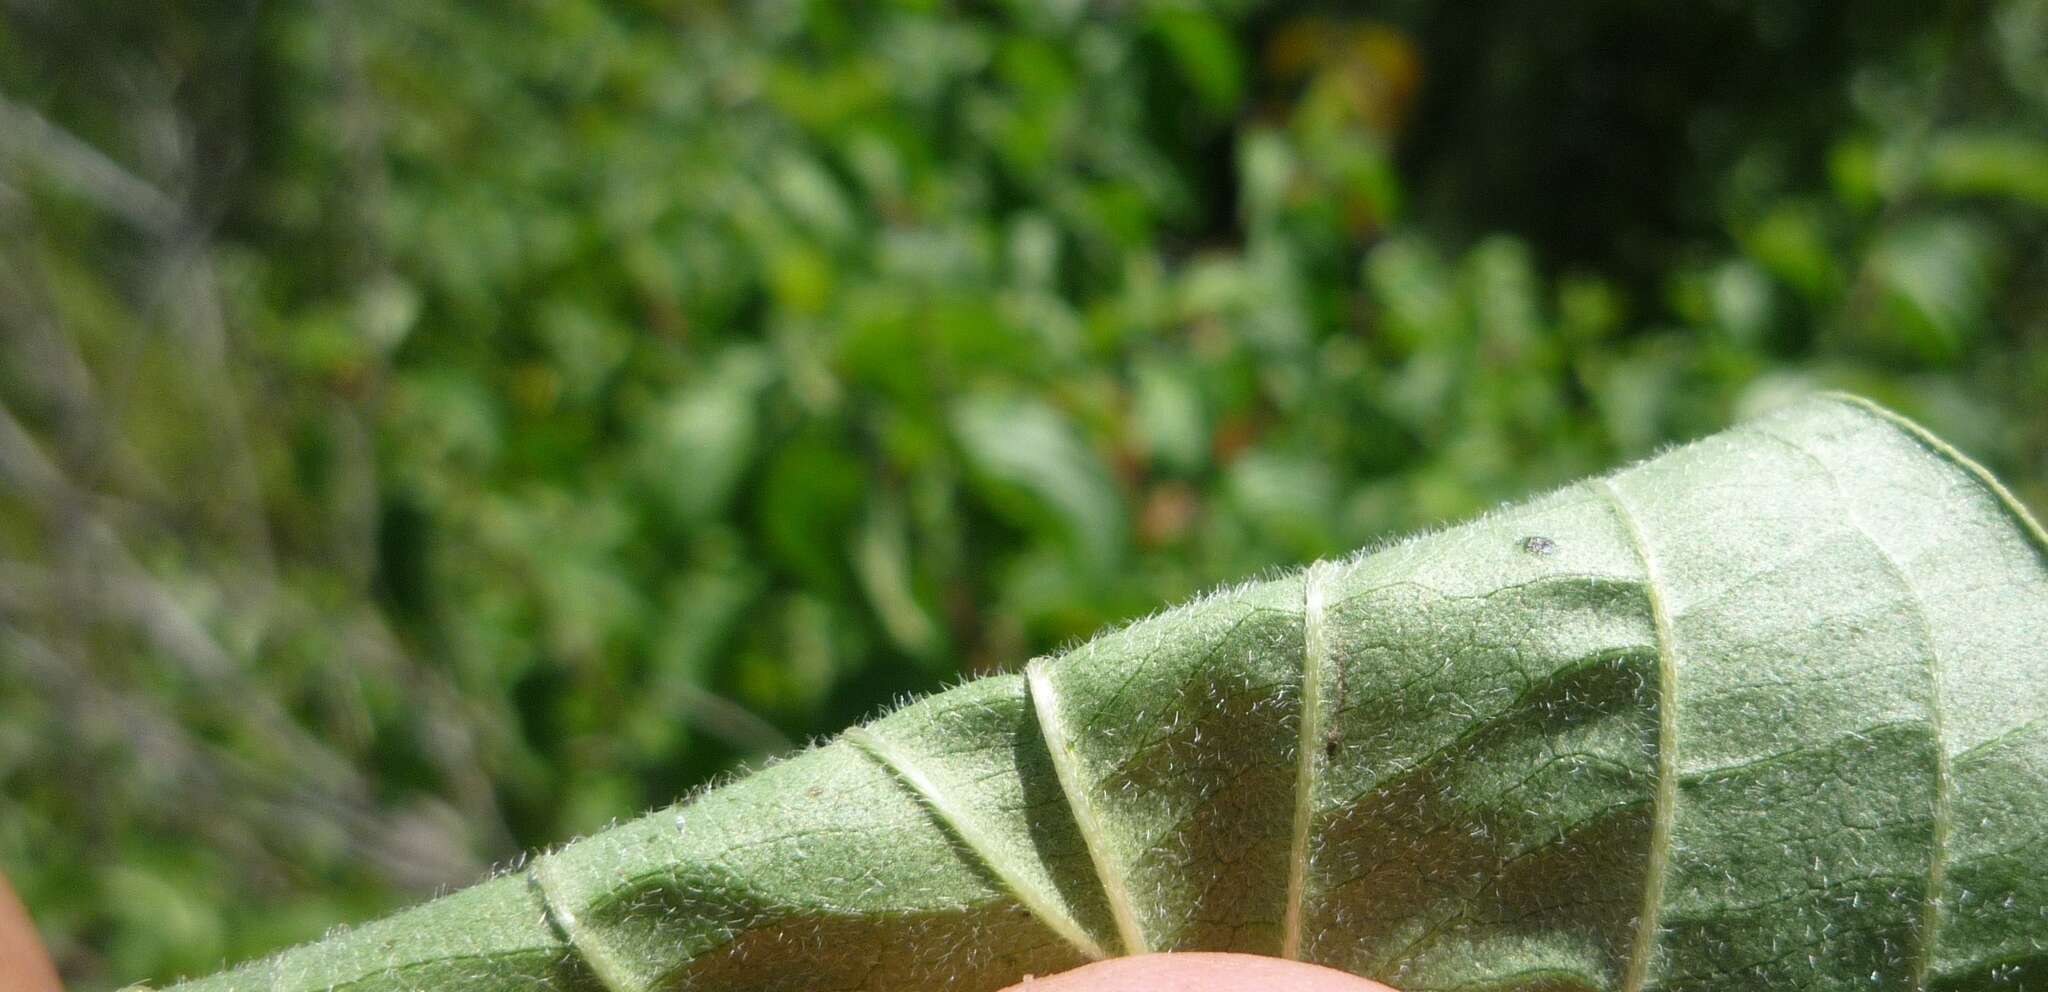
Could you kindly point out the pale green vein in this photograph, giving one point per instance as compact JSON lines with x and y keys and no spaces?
{"x":1315,"y":656}
{"x":1052,"y":727}
{"x":1004,"y":866}
{"x":595,"y":957}
{"x":1665,"y":804}
{"x":1928,"y":932}
{"x":1944,"y":788}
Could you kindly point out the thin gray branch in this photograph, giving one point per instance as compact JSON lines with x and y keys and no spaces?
{"x":31,"y":140}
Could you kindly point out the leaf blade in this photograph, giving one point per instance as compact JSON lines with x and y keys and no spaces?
{"x":1768,"y":710}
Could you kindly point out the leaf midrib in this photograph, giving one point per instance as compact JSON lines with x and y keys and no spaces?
{"x":1315,"y":657}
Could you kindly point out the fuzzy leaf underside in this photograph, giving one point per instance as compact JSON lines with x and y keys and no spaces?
{"x":1765,"y":712}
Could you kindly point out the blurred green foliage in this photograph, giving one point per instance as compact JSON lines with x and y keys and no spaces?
{"x":432,"y":430}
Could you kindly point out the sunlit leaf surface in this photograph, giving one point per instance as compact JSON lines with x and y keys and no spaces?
{"x":1763,"y":712}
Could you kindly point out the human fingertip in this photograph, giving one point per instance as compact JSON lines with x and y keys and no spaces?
{"x":1199,"y":972}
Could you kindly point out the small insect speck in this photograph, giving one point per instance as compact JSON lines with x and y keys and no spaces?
{"x":1541,"y":546}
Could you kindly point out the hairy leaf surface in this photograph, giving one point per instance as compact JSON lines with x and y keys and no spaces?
{"x":1765,"y":712}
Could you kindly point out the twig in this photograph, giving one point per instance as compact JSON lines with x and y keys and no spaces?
{"x":206,"y":776}
{"x":123,"y":583}
{"x":30,"y":138}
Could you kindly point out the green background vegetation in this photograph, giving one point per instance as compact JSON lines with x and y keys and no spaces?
{"x":429,"y":431}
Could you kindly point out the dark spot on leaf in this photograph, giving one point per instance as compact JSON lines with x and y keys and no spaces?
{"x":1539,"y":546}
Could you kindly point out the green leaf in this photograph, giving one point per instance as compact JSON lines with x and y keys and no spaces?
{"x":1169,"y":416}
{"x":1206,"y":55}
{"x":2010,"y":166}
{"x":1938,"y":277}
{"x":698,"y":442}
{"x":1765,"y":712}
{"x":881,"y":559}
{"x":1022,"y":446}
